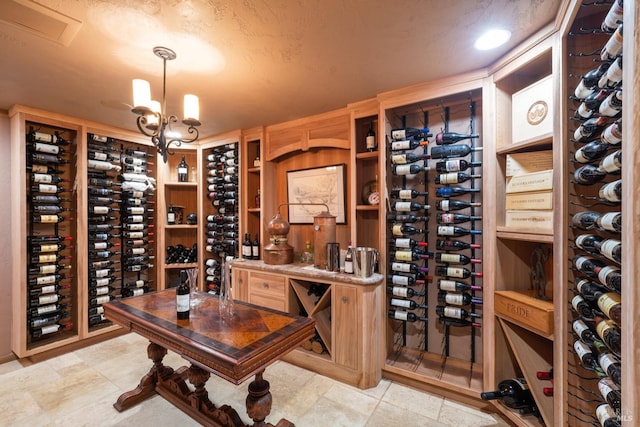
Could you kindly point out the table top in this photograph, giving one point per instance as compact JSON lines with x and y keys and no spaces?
{"x":232,"y":348}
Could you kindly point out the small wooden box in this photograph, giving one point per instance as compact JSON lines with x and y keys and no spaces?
{"x":535,"y":181}
{"x":532,"y":112}
{"x":532,"y":161}
{"x":525,"y":309}
{"x":530,"y":200}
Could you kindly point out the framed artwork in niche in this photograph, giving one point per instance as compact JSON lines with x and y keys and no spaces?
{"x":315,"y":186}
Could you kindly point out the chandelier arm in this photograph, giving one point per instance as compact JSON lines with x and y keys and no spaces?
{"x":142,"y":125}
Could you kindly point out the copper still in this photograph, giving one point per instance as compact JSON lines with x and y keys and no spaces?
{"x":324,"y":231}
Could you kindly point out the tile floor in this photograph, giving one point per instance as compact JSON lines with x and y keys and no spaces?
{"x":79,"y":389}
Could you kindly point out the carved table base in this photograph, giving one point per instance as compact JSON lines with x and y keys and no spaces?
{"x":172,"y":386}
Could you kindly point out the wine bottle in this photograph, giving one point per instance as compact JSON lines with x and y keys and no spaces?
{"x":33,"y":136}
{"x":455,"y":205}
{"x":445,"y":138}
{"x":348,"y":260}
{"x":183,"y":173}
{"x":458,"y":323}
{"x":613,"y":17}
{"x":584,"y":332}
{"x":588,"y":265}
{"x":455,"y":312}
{"x":457,"y":272}
{"x":609,"y":303}
{"x":46,"y":309}
{"x":454,"y":178}
{"x":50,"y":329}
{"x":48,"y":189}
{"x":48,"y":268}
{"x":454,"y":286}
{"x":585,"y":220}
{"x":135,"y":161}
{"x":408,"y":243}
{"x":102,"y":227}
{"x":44,"y":178}
{"x":403,"y":267}
{"x":455,"y":231}
{"x":400,"y":280}
{"x":582,"y":307}
{"x":44,"y":158}
{"x":403,"y":291}
{"x":45,"y":258}
{"x":246,"y":246}
{"x":47,"y":209}
{"x":102,"y":299}
{"x":588,"y":242}
{"x":589,"y":81}
{"x":403,"y":230}
{"x":142,"y":283}
{"x":409,"y":206}
{"x":47,"y":289}
{"x":612,"y":163}
{"x":47,"y":320}
{"x":103,"y":264}
{"x":591,"y":104}
{"x":413,"y":255}
{"x":455,"y":245}
{"x":610,"y":221}
{"x":49,"y":219}
{"x":44,"y":169}
{"x":589,"y":128}
{"x":370,"y":140}
{"x":48,"y":247}
{"x":611,"y":191}
{"x":613,"y":46}
{"x":182,"y":297}
{"x":101,"y":290}
{"x":588,"y":174}
{"x":446,"y":192}
{"x":612,"y":134}
{"x":410,"y":133}
{"x":412,"y":169}
{"x":455,"y":165}
{"x":612,"y":105}
{"x":40,"y":147}
{"x":608,"y":332}
{"x":406,"y":316}
{"x":99,"y":165}
{"x":455,"y":218}
{"x":611,"y":366}
{"x":591,"y":151}
{"x":48,"y":199}
{"x":407,"y":194}
{"x":406,"y":303}
{"x":610,"y":392}
{"x":46,"y":299}
{"x":458,"y":150}
{"x":462,"y":298}
{"x":134,"y":292}
{"x":406,"y":158}
{"x":607,"y":417}
{"x":456,"y":259}
{"x":589,"y":290}
{"x":514,"y":393}
{"x":408,"y":218}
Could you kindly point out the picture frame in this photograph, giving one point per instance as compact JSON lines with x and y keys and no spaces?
{"x":316,"y":185}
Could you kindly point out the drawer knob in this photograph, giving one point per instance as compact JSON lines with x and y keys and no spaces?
{"x":345,"y":300}
{"x":265,"y":285}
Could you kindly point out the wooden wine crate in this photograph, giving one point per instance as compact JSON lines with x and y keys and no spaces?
{"x":530,"y":200}
{"x":530,"y":219}
{"x":532,"y":112}
{"x":531,"y":161}
{"x":526,"y":310}
{"x":535,"y":181}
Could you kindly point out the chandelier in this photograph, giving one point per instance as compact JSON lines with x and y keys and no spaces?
{"x":153,"y":120}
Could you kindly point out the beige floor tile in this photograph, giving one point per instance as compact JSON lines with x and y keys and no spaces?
{"x":19,"y":408}
{"x":387,"y":415}
{"x":419,"y":402}
{"x":352,"y":398}
{"x":12,"y":365}
{"x":457,"y":415}
{"x":377,"y":391}
{"x":326,"y":413}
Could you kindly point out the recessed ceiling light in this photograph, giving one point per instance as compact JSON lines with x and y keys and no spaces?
{"x":492,"y":39}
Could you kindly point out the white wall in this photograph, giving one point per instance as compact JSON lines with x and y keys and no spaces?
{"x":5,"y":238}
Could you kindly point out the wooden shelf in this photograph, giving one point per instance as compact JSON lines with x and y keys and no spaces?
{"x":544,"y":142}
{"x":190,"y":184}
{"x":524,"y":235}
{"x":367,"y":155}
{"x":253,"y":170}
{"x":367,"y":208}
{"x":253,"y":210}
{"x":181,"y":265}
{"x":181,"y":226}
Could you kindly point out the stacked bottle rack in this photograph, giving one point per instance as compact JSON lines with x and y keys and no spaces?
{"x":222,"y":227}
{"x":594,"y":285}
{"x":50,"y":234}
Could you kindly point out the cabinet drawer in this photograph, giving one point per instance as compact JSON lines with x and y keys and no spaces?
{"x":269,"y":301}
{"x":266,"y":284}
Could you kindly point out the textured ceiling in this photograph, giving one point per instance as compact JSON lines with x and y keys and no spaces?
{"x":251,"y":62}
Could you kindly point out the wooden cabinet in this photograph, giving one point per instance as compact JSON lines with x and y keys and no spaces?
{"x":344,"y":308}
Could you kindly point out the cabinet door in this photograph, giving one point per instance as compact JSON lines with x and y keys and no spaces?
{"x":347,"y":337}
{"x":240,"y":285}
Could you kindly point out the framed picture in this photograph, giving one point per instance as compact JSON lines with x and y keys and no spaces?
{"x":317,"y":185}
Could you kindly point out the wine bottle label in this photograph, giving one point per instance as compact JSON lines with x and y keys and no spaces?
{"x":46,"y":258}
{"x":102,"y":299}
{"x":99,"y":165}
{"x":133,"y":210}
{"x":135,"y":161}
{"x":246,"y":250}
{"x":47,"y":269}
{"x":101,"y":273}
{"x":136,"y":218}
{"x":135,"y":235}
{"x":613,"y":46}
{"x":46,"y":148}
{"x":606,"y":360}
{"x":42,"y":178}
{"x":609,"y":221}
{"x":102,"y":282}
{"x":581,"y":349}
{"x":576,"y":301}
{"x":455,"y":299}
{"x":47,"y":188}
{"x":612,"y":134}
{"x":446,"y":231}
{"x":454,"y":312}
{"x":399,"y":159}
{"x":606,"y":386}
{"x":608,"y":108}
{"x":370,"y":142}
{"x":396,"y":230}
{"x":608,"y":247}
{"x":401,"y":145}
{"x":403,"y":169}
{"x":401,"y":267}
{"x":49,"y":248}
{"x":603,"y":328}
{"x":48,"y":289}
{"x":46,"y":309}
{"x":401,"y":302}
{"x":610,"y":22}
{"x":445,"y":205}
{"x":582,"y":90}
{"x":44,"y":137}
{"x":135,"y":227}
{"x":584,"y":111}
{"x":400,"y":280}
{"x":401,"y":315}
{"x":447,"y":285}
{"x":182,"y":303}
{"x":453,"y":258}
{"x":604,"y":413}
{"x":400,"y":292}
{"x":449,"y":178}
{"x":50,"y":329}
{"x":137,"y":292}
{"x":404,"y":194}
{"x":137,"y":194}
{"x":99,"y":310}
{"x":447,"y":218}
{"x":102,"y":290}
{"x":455,"y":272}
{"x":99,"y":156}
{"x":403,"y":255}
{"x":582,"y":156}
{"x":100,"y":245}
{"x":453,"y":165}
{"x":43,"y":280}
{"x":403,"y":206}
{"x":100,"y":210}
{"x":183,"y":170}
{"x":348,"y":267}
{"x":584,"y":263}
{"x":138,"y":251}
{"x":39,"y":169}
{"x":47,"y":299}
{"x":579,"y":327}
{"x":611,"y":163}
{"x":403,"y":243}
{"x":607,"y":301}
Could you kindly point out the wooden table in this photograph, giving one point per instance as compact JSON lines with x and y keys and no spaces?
{"x":233,"y":348}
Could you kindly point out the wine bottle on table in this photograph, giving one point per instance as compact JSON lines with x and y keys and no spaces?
{"x":182,"y":297}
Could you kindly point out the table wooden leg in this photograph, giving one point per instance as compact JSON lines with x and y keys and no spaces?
{"x":147,"y":386}
{"x":259,"y":400}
